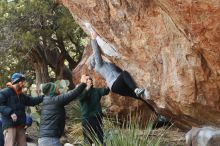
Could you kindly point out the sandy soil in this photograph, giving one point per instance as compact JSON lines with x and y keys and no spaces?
{"x":173,"y":136}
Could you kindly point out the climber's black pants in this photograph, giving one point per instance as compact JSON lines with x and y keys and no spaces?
{"x":124,"y":85}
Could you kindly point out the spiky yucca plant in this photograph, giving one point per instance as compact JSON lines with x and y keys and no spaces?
{"x":130,"y":135}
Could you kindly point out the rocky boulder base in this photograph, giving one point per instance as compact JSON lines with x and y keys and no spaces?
{"x":170,"y":47}
{"x":205,"y":136}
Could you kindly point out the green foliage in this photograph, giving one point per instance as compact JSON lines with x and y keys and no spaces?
{"x":31,"y":28}
{"x":9,"y":65}
{"x":130,"y":135}
{"x":35,"y":115}
{"x":62,"y":85}
{"x":121,"y":134}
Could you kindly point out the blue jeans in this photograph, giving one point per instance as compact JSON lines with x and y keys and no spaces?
{"x":49,"y":141}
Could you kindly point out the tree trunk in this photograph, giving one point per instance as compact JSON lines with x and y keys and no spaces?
{"x":40,"y":67}
{"x":41,"y":71}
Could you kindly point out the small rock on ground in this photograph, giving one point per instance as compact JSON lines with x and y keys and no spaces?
{"x":31,"y":144}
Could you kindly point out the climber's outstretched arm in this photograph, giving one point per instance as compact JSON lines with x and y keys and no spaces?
{"x":96,"y":49}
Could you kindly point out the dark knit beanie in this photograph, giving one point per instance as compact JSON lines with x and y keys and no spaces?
{"x":49,"y":88}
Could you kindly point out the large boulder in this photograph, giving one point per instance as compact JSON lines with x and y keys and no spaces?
{"x":205,"y":136}
{"x":170,"y":47}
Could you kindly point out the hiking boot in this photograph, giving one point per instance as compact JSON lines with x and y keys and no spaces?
{"x":139,"y":91}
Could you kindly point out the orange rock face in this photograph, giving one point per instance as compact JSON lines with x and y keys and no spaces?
{"x":170,"y":47}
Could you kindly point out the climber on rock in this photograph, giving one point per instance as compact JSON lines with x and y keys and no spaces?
{"x":117,"y":80}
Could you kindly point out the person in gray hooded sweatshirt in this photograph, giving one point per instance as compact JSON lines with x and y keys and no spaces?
{"x":117,"y":80}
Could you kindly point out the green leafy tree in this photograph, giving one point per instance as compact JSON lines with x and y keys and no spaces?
{"x":38,"y":37}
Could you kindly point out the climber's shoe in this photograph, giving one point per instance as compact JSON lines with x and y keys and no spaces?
{"x":162,"y":121}
{"x":139,"y":91}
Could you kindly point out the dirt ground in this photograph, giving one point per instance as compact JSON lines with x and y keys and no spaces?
{"x":32,"y":133}
{"x":173,"y":136}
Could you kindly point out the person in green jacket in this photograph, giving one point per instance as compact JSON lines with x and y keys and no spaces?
{"x":92,"y":112}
